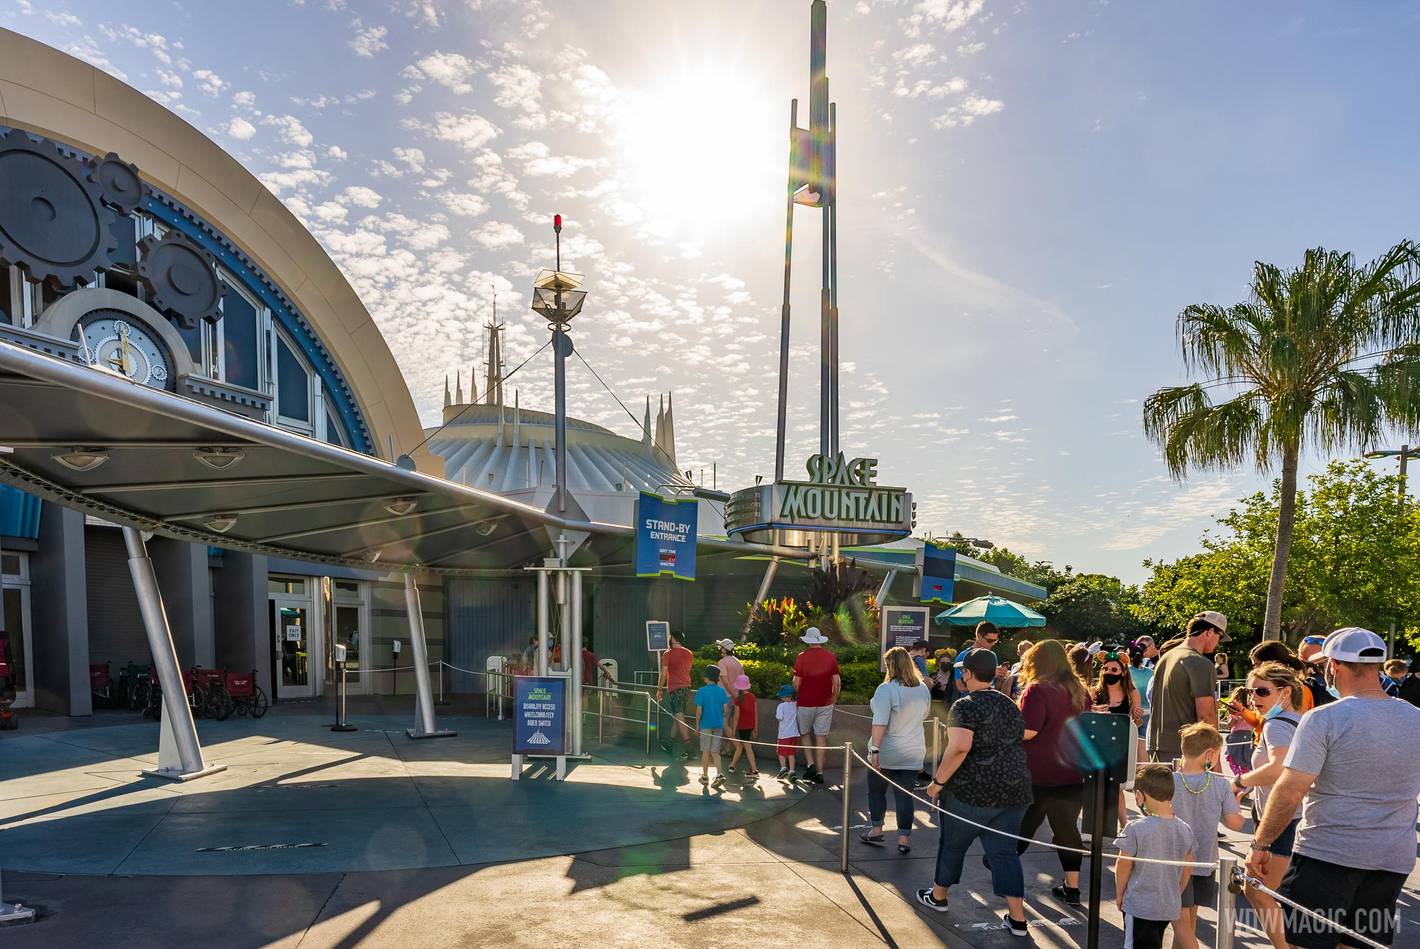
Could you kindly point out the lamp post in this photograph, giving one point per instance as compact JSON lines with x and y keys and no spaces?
{"x":557,"y":299}
{"x":1404,"y":454}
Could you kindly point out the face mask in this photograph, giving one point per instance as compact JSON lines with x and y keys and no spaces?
{"x":1273,"y":712}
{"x":1111,"y":678}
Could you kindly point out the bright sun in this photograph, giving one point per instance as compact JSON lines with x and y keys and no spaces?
{"x":704,"y":152}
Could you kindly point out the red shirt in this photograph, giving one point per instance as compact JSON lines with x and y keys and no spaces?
{"x":676,"y":662}
{"x":1053,"y":754}
{"x":745,"y":703}
{"x":815,"y":668}
{"x":589,"y":667}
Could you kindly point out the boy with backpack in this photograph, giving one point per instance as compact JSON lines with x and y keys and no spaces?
{"x":1203,"y":798}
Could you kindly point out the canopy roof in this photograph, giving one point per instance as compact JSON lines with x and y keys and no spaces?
{"x":292,"y":496}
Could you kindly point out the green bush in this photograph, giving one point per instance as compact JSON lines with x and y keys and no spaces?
{"x":865,"y":652}
{"x":709,"y":651}
{"x":766,"y":677}
{"x":860,"y":677}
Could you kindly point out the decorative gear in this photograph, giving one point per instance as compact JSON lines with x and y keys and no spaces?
{"x":181,"y":278}
{"x":122,"y":188}
{"x":39,"y":186}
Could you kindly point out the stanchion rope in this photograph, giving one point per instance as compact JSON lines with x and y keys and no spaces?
{"x":1242,"y":875}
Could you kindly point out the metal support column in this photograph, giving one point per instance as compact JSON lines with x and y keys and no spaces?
{"x":574,"y":662}
{"x":179,"y":753}
{"x":881,"y":598}
{"x":424,"y":692}
{"x":847,"y":794}
{"x":1227,"y":902}
{"x":542,"y":647}
{"x":784,"y":308}
{"x":769,"y":571}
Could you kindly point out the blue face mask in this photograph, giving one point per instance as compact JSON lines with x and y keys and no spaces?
{"x":1273,"y":712}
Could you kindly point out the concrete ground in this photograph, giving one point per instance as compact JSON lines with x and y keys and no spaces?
{"x":429,"y":844}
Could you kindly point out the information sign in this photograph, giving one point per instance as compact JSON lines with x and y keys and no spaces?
{"x":539,"y":713}
{"x":658,"y":635}
{"x":903,"y":626}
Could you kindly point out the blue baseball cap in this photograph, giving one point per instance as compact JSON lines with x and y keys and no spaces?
{"x":785,"y":691}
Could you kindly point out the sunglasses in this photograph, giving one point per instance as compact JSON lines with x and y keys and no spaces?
{"x":993,"y":640}
{"x":1262,"y":691}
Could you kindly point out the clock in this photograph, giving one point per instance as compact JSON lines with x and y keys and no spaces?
{"x":115,"y":341}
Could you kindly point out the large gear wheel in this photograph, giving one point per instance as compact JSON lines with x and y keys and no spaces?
{"x":121,"y":187}
{"x":53,"y":223}
{"x":181,"y":278}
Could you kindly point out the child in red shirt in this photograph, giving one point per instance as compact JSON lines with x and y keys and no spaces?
{"x":746,"y":726}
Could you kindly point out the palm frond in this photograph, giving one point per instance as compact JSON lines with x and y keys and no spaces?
{"x":1192,"y":432}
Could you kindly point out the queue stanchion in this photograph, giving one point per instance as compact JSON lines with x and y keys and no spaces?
{"x":936,"y":743}
{"x":648,"y":723}
{"x":601,"y":714}
{"x":1227,"y":901}
{"x":847,"y":774}
{"x":341,"y":725}
{"x":1099,"y":808}
{"x":440,"y":700}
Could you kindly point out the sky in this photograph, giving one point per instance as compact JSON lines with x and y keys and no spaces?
{"x":1029,"y":193}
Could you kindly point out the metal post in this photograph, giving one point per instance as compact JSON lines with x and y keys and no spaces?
{"x":341,"y":724}
{"x":601,"y":716}
{"x":763,"y":592}
{"x":575,"y":661}
{"x":830,"y":197}
{"x":784,"y":308}
{"x":847,"y":774}
{"x":13,"y":912}
{"x":648,"y":725}
{"x":541,"y":623}
{"x":1100,"y":810}
{"x":440,"y":664}
{"x":184,"y":759}
{"x":1227,"y":902}
{"x":424,"y":694}
{"x":881,"y":598}
{"x":561,"y":345}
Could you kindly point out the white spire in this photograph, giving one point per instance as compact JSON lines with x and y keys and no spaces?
{"x":473,"y":385}
{"x":669,"y":444}
{"x":447,"y":400}
{"x":493,"y":388}
{"x":458,"y":387}
{"x":661,"y":423}
{"x":646,"y":426}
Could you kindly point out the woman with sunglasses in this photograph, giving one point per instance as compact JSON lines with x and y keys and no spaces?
{"x":1275,"y":693}
{"x":1114,"y":692}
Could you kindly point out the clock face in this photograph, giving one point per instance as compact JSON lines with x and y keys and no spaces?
{"x":128,"y":348}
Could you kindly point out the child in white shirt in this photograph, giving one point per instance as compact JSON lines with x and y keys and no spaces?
{"x":787,"y":715}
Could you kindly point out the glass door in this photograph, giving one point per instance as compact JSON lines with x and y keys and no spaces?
{"x":15,"y":647}
{"x":294,"y":641}
{"x":350,"y":626}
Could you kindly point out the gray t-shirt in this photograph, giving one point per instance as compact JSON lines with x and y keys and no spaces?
{"x":1182,"y":677}
{"x":1361,"y":811}
{"x":1200,"y":801}
{"x":1153,"y":891}
{"x":902,"y":709}
{"x":1277,"y":732}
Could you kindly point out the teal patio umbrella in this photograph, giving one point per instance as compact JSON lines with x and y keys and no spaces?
{"x":994,"y":609}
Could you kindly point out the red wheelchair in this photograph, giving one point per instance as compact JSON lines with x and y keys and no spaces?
{"x":246,"y":696}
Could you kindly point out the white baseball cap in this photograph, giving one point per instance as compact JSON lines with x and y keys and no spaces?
{"x":726,"y":644}
{"x":813,"y":637}
{"x":1354,"y":644}
{"x":1218,"y":621}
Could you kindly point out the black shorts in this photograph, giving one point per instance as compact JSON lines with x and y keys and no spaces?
{"x":744,"y":734}
{"x":1202,"y":891}
{"x":1282,"y":846}
{"x":1361,"y":900}
{"x":1145,"y":933}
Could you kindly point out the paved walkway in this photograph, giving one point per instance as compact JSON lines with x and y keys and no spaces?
{"x":625,"y":853}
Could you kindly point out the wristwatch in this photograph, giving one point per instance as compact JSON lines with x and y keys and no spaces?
{"x":1237,"y":783}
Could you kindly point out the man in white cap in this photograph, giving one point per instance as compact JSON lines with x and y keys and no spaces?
{"x":1184,"y":683}
{"x":730,"y":668}
{"x":816,"y":681}
{"x":1356,"y":841}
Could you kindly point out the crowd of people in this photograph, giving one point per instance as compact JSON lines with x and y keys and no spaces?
{"x":1305,"y":734}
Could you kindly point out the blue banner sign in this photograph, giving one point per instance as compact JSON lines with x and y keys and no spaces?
{"x":665,"y":536}
{"x":937,"y":572}
{"x":539,"y":714}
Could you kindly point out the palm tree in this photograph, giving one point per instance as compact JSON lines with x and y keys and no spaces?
{"x":1324,"y":356}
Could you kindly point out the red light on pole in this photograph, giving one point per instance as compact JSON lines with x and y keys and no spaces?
{"x":557,"y":223}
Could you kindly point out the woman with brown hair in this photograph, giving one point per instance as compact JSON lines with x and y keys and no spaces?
{"x":1051,"y":697}
{"x":896,"y":746}
{"x":1275,"y":691}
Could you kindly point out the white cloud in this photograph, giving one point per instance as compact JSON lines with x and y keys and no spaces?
{"x":368,"y":40}
{"x":464,"y":203}
{"x":169,"y":78}
{"x":519,"y":89}
{"x":239,"y":128}
{"x":209,"y":82}
{"x":338,"y":153}
{"x":64,"y":19}
{"x":244,"y":98}
{"x":290,"y":129}
{"x":539,"y":161}
{"x":155,"y":43}
{"x":496,"y":234}
{"x":451,"y":70}
{"x":967,"y":111}
{"x":468,"y":130}
{"x":361,"y":196}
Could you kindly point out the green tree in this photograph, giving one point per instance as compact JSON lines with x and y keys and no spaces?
{"x":1324,"y":355}
{"x":1040,"y":572}
{"x":1091,"y":606}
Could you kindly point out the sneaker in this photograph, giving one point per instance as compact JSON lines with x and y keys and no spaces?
{"x":719,"y":782}
{"x":704,"y":780}
{"x":808,"y":773}
{"x":818,"y":777}
{"x":924,"y":897}
{"x":665,"y":746}
{"x":1018,"y":926}
{"x":1069,"y":895}
{"x":685,"y":756}
{"x":783,"y":773}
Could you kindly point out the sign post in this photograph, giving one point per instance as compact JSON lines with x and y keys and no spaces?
{"x":902,"y":625}
{"x":658,"y":635}
{"x":539,"y":721}
{"x":665,"y":536}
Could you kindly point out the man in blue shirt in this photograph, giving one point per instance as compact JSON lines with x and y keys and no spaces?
{"x":712,"y":704}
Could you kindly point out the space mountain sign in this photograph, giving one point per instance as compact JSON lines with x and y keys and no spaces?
{"x":841,"y":497}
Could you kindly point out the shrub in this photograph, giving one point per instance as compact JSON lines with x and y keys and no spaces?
{"x":766,"y":677}
{"x":860,"y":677}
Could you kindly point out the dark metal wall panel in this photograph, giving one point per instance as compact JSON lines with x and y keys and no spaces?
{"x":115,"y":626}
{"x":485,"y":618}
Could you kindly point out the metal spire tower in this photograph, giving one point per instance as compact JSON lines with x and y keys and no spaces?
{"x":813,"y":183}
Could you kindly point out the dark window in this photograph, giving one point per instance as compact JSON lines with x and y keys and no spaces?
{"x":5,"y":315}
{"x":125,"y":231}
{"x":193,"y":338}
{"x":240,"y":344}
{"x":333,"y":432}
{"x":293,"y":393}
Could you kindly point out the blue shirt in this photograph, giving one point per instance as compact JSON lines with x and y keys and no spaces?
{"x":921,"y":665}
{"x":1141,"y":679}
{"x":712,"y":699}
